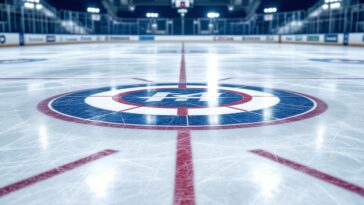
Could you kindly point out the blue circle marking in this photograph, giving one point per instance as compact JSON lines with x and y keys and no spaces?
{"x":155,"y":106}
{"x":342,"y":61}
{"x":17,"y":61}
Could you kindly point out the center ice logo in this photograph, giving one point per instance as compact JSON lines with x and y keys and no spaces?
{"x":158,"y":106}
{"x":177,"y":97}
{"x":180,"y":97}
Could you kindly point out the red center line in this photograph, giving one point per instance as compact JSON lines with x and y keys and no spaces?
{"x":53,"y":172}
{"x":184,"y":192}
{"x":312,"y":172}
{"x":144,"y":80}
{"x":182,"y":74}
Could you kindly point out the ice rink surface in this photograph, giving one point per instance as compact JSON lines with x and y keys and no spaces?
{"x":313,"y":161}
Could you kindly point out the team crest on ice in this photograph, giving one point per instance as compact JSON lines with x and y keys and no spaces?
{"x":195,"y":106}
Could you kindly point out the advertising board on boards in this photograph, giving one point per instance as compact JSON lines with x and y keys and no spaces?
{"x":223,"y":38}
{"x":313,"y":38}
{"x":331,"y":38}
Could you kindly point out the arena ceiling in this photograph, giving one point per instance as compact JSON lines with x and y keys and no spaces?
{"x":241,"y":7}
{"x":118,"y":7}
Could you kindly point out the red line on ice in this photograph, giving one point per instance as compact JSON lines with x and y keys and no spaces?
{"x":182,"y":74}
{"x":53,"y":172}
{"x":223,"y":79}
{"x":184,"y":191}
{"x":312,"y":172}
{"x":144,"y":80}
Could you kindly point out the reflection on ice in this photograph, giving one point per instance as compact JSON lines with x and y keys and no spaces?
{"x":43,"y":136}
{"x":320,"y":137}
{"x":267,"y":114}
{"x":212,"y":80}
{"x":268,"y":179}
{"x":100,"y":181}
{"x":214,"y":119}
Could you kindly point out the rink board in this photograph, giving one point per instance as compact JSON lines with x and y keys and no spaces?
{"x":15,"y":39}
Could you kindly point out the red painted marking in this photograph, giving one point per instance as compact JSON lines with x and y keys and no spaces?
{"x":312,"y":172}
{"x":129,"y":109}
{"x":182,"y":111}
{"x":182,"y":74}
{"x":223,"y":79}
{"x":238,"y":109}
{"x":53,"y":172}
{"x":184,"y":191}
{"x":144,"y":80}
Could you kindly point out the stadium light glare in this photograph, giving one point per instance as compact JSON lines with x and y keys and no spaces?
{"x":332,"y":1}
{"x":325,"y":6}
{"x":29,"y":5}
{"x":213,"y":15}
{"x":33,"y":1}
{"x":33,"y":4}
{"x":270,"y":10}
{"x":152,"y":15}
{"x":336,"y":5}
{"x":93,"y":10}
{"x":331,"y":4}
{"x":39,"y":6}
{"x":131,"y":8}
{"x":231,"y":8}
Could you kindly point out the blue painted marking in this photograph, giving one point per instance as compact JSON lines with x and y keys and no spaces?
{"x":74,"y":105}
{"x":343,"y":61}
{"x":22,"y":60}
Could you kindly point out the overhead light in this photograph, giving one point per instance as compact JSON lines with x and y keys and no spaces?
{"x":231,"y":8}
{"x":270,"y":10}
{"x":39,"y":6}
{"x":29,"y":5}
{"x":332,"y":1}
{"x":33,"y":1}
{"x":93,"y":10}
{"x":336,"y":5}
{"x":33,"y":4}
{"x":152,"y":15}
{"x":331,"y":4}
{"x":131,"y":8}
{"x":213,"y":15}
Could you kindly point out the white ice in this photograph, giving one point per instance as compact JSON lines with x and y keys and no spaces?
{"x":144,"y":169}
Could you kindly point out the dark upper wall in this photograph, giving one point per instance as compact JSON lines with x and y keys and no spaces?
{"x":166,"y":11}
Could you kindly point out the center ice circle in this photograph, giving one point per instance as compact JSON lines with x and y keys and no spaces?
{"x":182,"y":98}
{"x":195,"y":106}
